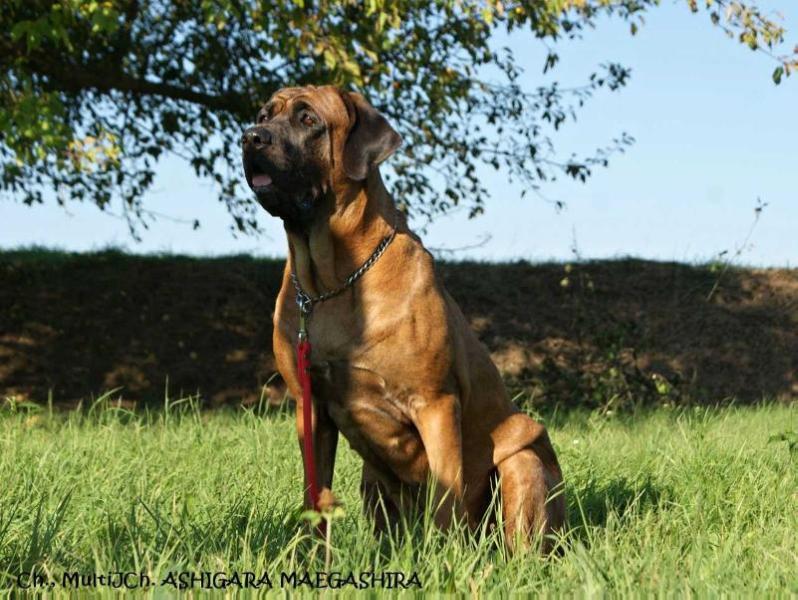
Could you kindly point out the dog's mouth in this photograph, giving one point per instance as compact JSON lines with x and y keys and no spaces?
{"x":280,"y":192}
{"x":257,"y":174}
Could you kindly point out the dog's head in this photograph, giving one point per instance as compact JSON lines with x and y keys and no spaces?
{"x":310,"y":141}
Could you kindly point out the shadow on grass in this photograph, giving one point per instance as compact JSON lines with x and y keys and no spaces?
{"x":594,"y":503}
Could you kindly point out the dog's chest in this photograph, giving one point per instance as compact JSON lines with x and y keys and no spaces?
{"x":373,"y":418}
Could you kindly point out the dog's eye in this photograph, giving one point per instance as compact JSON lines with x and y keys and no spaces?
{"x":307,"y":120}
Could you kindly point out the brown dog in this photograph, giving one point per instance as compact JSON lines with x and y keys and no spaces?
{"x":397,"y":369}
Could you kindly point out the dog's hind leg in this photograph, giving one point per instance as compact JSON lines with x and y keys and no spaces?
{"x":533,"y":504}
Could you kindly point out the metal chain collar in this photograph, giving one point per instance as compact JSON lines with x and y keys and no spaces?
{"x":306,"y":302}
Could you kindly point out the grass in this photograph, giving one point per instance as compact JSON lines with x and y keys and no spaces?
{"x":694,"y":501}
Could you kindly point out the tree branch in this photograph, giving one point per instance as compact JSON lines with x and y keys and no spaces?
{"x":106,"y":78}
{"x":73,"y":78}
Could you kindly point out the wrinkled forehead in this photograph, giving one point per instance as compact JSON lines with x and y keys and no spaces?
{"x":325,"y":100}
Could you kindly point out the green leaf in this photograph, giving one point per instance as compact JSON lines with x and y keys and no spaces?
{"x":311,"y":516}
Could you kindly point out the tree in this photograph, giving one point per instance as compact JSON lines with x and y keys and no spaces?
{"x":93,"y":93}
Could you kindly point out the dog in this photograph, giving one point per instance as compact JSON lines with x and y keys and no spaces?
{"x":396,"y":368}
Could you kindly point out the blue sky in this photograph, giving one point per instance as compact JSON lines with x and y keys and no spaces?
{"x":712,"y":133}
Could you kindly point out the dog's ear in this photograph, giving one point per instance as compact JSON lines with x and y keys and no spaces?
{"x":371,"y":138}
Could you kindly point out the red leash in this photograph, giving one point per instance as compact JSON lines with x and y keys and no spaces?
{"x":305,"y":304}
{"x":303,"y":369}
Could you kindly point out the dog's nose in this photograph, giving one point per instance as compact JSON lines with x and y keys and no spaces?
{"x":256,"y":136}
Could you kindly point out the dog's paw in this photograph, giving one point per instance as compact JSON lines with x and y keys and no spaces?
{"x":328,"y":501}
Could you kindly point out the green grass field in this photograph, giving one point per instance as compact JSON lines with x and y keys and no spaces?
{"x":694,"y":501}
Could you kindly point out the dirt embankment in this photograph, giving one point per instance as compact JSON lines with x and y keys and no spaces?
{"x":594,"y":333}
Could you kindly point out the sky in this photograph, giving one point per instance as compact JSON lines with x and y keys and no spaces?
{"x":713,"y":135}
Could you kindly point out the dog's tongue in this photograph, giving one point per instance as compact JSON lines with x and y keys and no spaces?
{"x":261,"y":180}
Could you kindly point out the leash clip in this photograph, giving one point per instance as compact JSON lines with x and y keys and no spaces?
{"x":305,"y":303}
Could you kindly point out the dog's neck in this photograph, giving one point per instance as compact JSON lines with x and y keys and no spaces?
{"x":333,"y":247}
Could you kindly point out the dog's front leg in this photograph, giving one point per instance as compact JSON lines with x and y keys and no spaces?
{"x":438,"y":422}
{"x":325,"y":443}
